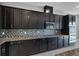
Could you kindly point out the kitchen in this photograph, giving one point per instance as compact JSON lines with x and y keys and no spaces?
{"x":29,"y":31}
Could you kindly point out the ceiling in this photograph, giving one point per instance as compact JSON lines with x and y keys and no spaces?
{"x":59,"y":7}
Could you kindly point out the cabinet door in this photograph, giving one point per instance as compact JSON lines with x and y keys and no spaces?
{"x":43,"y":45}
{"x":32,"y":20}
{"x":17,"y":19}
{"x":25,"y":19}
{"x":66,"y":41}
{"x":60,"y":42}
{"x":9,"y":17}
{"x":36,"y":46}
{"x":5,"y":49}
{"x":3,"y":17}
{"x":40,"y":20}
{"x":12,"y":50}
{"x":52,"y":18}
{"x":56,"y":22}
{"x":46,"y":15}
{"x":65,"y":27}
{"x":52,"y":43}
{"x":25,"y":48}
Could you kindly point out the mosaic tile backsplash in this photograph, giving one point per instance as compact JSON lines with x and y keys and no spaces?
{"x":21,"y":32}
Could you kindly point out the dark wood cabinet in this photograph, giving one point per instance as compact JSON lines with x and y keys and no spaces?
{"x":25,"y":19}
{"x":16,"y":18}
{"x":26,"y":48}
{"x":40,"y":20}
{"x":65,"y":25}
{"x":36,"y":46}
{"x":5,"y":49}
{"x":47,"y":17}
{"x":21,"y":48}
{"x":66,"y":41}
{"x":52,"y":43}
{"x":36,"y":20}
{"x":33,"y":20}
{"x":3,"y":20}
{"x":60,"y":41}
{"x":63,"y":41}
{"x":7,"y":17}
{"x":13,"y":49}
{"x":43,"y":45}
{"x":30,"y":47}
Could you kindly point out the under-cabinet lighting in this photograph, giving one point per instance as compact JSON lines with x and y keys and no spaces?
{"x":3,"y":33}
{"x":24,"y":32}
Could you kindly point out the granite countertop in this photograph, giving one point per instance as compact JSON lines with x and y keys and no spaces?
{"x":17,"y":38}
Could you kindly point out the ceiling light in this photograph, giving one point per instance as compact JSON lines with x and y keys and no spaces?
{"x":47,"y":11}
{"x":77,"y":6}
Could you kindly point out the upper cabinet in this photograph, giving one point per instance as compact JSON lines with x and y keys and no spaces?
{"x":16,"y":18}
{"x":6,"y":17}
{"x":48,"y":10}
{"x":20,"y":19}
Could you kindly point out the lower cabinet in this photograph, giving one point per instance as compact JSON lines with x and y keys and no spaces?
{"x":24,"y":48}
{"x":43,"y":45}
{"x":5,"y":49}
{"x":63,"y":41}
{"x":12,"y":50}
{"x":66,"y":41}
{"x":34,"y":46}
{"x":52,"y":43}
{"x":60,"y":41}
